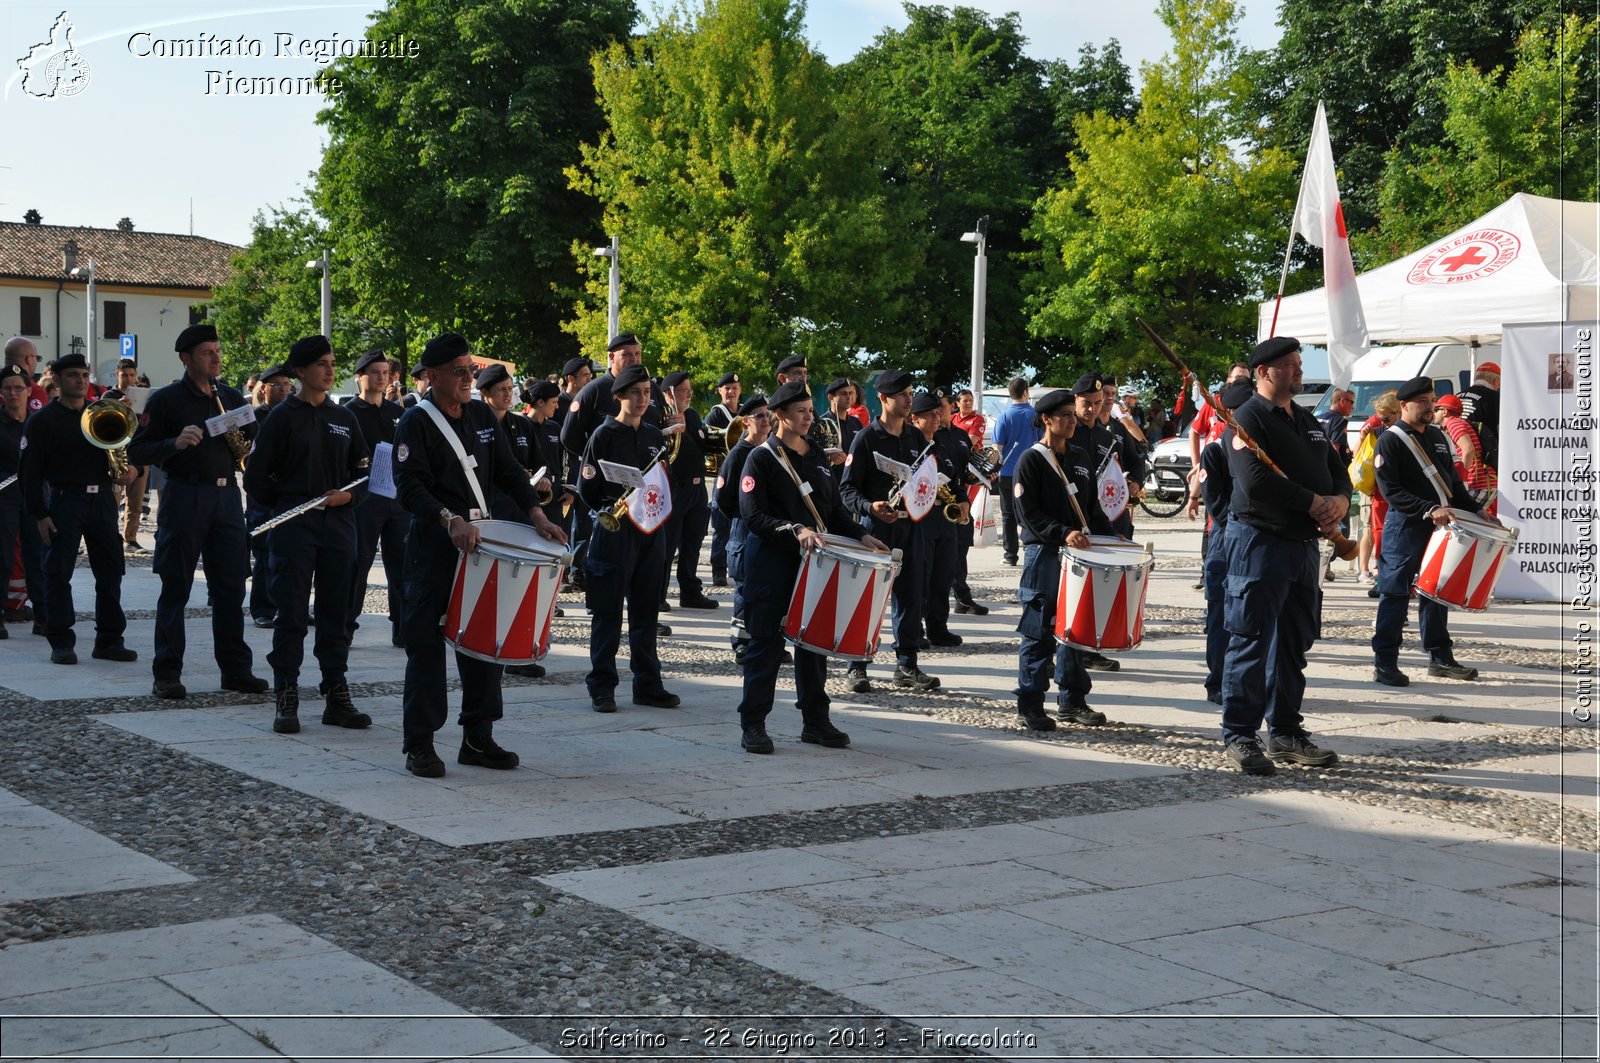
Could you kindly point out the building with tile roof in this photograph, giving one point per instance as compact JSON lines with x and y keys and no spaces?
{"x":148,"y":285}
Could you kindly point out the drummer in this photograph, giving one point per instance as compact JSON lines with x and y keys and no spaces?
{"x":1421,"y":498}
{"x":1047,"y":520}
{"x":623,"y":567}
{"x":779,"y":528}
{"x":310,"y":447}
{"x":757,"y":426}
{"x":441,"y":486}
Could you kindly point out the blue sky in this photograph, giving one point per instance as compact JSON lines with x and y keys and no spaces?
{"x":149,"y":135}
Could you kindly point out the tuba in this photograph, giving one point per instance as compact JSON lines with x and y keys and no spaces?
{"x":108,"y":424}
{"x":718,"y":443}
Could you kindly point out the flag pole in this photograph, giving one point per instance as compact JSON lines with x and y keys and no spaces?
{"x":1283,"y":274}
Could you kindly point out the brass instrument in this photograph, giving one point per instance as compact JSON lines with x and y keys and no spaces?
{"x":719,"y":442}
{"x":985,"y":462}
{"x":611,"y":519}
{"x":897,"y":492}
{"x":234,"y":437}
{"x":108,"y":424}
{"x":826,"y":433}
{"x":674,"y":439}
{"x":952,"y":506}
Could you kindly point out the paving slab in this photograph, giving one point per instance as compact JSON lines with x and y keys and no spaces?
{"x":43,"y":855}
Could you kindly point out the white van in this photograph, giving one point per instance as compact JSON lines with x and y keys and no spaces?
{"x":1386,"y":368}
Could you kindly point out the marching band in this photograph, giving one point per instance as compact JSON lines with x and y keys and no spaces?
{"x":821,"y":523}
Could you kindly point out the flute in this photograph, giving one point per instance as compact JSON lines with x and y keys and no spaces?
{"x":1343,"y":548}
{"x":304,"y":507}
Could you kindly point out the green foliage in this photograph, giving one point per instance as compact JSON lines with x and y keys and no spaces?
{"x":1165,"y":219}
{"x":1100,"y":81}
{"x":970,"y":131}
{"x":271,"y":299}
{"x":751,"y":218}
{"x":1523,"y":130}
{"x":442,"y":180}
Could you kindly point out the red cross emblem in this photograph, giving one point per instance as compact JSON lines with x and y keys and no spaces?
{"x":1466,"y":257}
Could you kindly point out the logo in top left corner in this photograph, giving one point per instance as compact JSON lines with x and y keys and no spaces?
{"x":54,"y":68}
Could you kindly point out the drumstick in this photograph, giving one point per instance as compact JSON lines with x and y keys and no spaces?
{"x":1344,"y":548}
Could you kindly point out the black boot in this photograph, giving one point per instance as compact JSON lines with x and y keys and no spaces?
{"x":287,"y":719}
{"x":340,"y":711}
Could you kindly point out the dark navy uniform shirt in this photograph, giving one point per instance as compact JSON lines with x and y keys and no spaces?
{"x":864,"y":483}
{"x":304,"y":450}
{"x":1216,"y":482}
{"x":54,"y":451}
{"x":771,"y":503}
{"x":10,"y":454}
{"x":1297,"y":442}
{"x":690,"y":464}
{"x":378,"y":420}
{"x":593,"y":405}
{"x":615,"y":442}
{"x":1404,"y":484}
{"x":727,"y":491}
{"x":167,"y":413}
{"x":1040,"y":499}
{"x":429,"y":477}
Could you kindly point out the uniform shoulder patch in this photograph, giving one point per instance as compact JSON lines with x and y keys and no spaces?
{"x":720,"y":483}
{"x":402,"y":452}
{"x":747,"y":484}
{"x":574,"y":407}
{"x":588,"y":472}
{"x":23,"y":445}
{"x":1238,"y":444}
{"x":1016,"y":489}
{"x":848,"y":458}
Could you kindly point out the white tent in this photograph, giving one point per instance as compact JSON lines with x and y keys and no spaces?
{"x":1529,"y":259}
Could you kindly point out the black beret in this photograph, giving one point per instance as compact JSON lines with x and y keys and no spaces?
{"x":16,"y":370}
{"x":674,"y":378}
{"x":541,"y":390}
{"x":727,"y":378}
{"x":622,"y":339}
{"x":307,"y":350}
{"x":1271,"y":350}
{"x":1237,"y":394}
{"x":631,"y":376}
{"x":442,"y":350}
{"x":273,"y":371}
{"x":69,"y":361}
{"x":893,"y":382}
{"x":574,"y":366}
{"x":789,"y":394}
{"x":193,"y":336}
{"x":490,"y":375}
{"x":1050,"y":402}
{"x":755,"y":402}
{"x":842,"y":382}
{"x":1088,"y":384}
{"x":1416,"y":386}
{"x":794,"y":361}
{"x":370,"y":358}
{"x":925,"y":402}
{"x":1108,"y":381}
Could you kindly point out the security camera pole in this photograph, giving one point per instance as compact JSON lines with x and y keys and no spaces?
{"x":980,"y":299}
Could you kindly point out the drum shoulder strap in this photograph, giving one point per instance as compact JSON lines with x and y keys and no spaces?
{"x":1429,"y":469}
{"x":451,"y":438}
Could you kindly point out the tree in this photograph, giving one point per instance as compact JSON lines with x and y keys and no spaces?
{"x":1528,"y":129}
{"x":751,"y":220}
{"x":270,"y":299}
{"x":1164,"y":218}
{"x":442,"y":181}
{"x":1099,"y":82}
{"x":1377,"y":66}
{"x":969,"y":133}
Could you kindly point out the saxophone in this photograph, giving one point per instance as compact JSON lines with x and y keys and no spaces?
{"x":234,"y":437}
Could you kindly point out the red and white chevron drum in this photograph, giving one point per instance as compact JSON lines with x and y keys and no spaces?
{"x":1100,"y":604}
{"x":840,"y":597}
{"x":504,"y":594}
{"x":1463,"y":562}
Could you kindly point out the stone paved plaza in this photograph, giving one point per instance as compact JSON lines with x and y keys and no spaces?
{"x":180,"y":882}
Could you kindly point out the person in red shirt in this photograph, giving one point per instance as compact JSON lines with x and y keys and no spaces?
{"x":858,"y":409}
{"x":1479,"y":476}
{"x":968,"y":419}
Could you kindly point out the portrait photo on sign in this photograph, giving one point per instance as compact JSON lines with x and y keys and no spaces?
{"x":1560,"y":376}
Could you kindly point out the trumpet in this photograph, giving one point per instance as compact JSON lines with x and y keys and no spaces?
{"x":952,"y":506}
{"x":719,"y":442}
{"x":611,"y":519}
{"x":898,"y":491}
{"x":108,"y":424}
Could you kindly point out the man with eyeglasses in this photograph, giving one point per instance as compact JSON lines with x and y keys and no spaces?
{"x":442,"y":488}
{"x":1274,"y":606}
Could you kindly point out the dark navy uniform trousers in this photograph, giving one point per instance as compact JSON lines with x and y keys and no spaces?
{"x":770,"y":573}
{"x":317,"y":548}
{"x":90,"y":519}
{"x":623,"y":568}
{"x":379,"y":521}
{"x":1405,"y":539}
{"x":1041,"y":582}
{"x":261,"y":607}
{"x":20,"y":531}
{"x":1273,"y":613}
{"x":201,"y":522}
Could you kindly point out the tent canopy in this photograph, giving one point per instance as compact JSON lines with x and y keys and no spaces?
{"x":1529,"y":259}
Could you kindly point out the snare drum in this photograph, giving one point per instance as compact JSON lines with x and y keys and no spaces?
{"x":504,"y":594}
{"x":1100,"y":604}
{"x":839,"y":599}
{"x":1463,"y":562}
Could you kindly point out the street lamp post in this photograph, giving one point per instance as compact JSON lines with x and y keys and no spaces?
{"x":613,"y":299}
{"x":980,"y":298}
{"x":87,"y":272}
{"x":327,"y":292}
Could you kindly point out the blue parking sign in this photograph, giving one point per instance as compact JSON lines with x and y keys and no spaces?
{"x":130,"y":345}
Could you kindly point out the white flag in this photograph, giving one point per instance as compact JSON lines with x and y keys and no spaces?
{"x":922,"y":490}
{"x":1113,"y":488}
{"x":652,"y":500}
{"x":1319,"y":218}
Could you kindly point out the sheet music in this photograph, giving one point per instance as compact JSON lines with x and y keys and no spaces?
{"x":222,"y":422}
{"x":136,"y":397}
{"x":626,"y":475}
{"x":899,"y":470}
{"x":381,"y":481}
